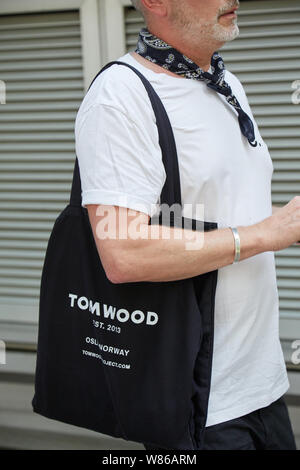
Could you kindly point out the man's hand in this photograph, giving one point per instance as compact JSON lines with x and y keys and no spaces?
{"x":275,"y":209}
{"x":282,"y":228}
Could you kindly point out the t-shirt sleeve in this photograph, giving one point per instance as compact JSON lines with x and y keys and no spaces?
{"x":119,"y":159}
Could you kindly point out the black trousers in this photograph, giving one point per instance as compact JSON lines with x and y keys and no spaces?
{"x":267,"y":428}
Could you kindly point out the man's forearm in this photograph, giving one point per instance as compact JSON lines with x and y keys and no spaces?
{"x":174,"y":253}
{"x":167,"y":260}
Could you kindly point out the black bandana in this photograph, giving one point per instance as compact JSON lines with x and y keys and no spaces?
{"x":156,"y":50}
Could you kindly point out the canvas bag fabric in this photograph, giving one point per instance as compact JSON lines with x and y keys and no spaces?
{"x":99,"y":364}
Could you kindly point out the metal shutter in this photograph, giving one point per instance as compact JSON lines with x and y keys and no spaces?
{"x":133,"y":23}
{"x":266,"y":58}
{"x":41,"y":64}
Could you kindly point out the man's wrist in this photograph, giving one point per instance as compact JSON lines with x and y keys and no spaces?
{"x":253,"y":240}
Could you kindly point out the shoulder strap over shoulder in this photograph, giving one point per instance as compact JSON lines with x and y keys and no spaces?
{"x":171,"y":192}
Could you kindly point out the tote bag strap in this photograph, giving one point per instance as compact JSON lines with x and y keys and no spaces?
{"x":171,"y":192}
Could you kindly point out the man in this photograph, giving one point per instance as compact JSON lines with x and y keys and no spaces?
{"x":225,"y":165}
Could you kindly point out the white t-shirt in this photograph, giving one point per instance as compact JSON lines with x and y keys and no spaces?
{"x":120,"y":163}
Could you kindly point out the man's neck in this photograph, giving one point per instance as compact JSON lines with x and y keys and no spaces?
{"x":154,"y":67}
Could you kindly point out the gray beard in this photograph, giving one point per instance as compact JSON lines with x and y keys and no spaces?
{"x":222,"y":34}
{"x":212,"y":32}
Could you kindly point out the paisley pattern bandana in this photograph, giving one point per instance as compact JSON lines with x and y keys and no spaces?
{"x":156,"y":50}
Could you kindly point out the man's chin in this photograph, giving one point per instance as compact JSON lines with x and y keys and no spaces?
{"x":226,"y":34}
{"x":235,"y":33}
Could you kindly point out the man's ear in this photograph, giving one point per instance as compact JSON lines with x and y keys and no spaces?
{"x":156,"y":7}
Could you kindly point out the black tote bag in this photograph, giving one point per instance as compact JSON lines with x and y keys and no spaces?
{"x":130,"y":360}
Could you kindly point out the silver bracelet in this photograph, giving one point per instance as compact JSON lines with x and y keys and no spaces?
{"x":237,"y":243}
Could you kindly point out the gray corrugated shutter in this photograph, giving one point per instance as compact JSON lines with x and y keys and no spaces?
{"x":41,"y":64}
{"x":266,"y":58}
{"x":133,"y":23}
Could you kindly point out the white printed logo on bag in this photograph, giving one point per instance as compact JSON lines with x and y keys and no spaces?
{"x":110,"y":312}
